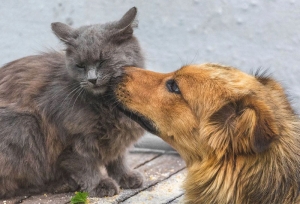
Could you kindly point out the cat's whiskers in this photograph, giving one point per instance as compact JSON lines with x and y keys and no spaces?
{"x":72,"y":93}
{"x":115,"y":104}
{"x":79,"y":93}
{"x":109,"y":96}
{"x":54,"y":97}
{"x":78,"y":89}
{"x":83,"y":83}
{"x":107,"y":76}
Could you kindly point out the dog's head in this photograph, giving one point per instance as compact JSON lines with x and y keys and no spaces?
{"x":204,"y":109}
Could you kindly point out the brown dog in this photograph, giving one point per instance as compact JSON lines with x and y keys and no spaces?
{"x":237,"y":133}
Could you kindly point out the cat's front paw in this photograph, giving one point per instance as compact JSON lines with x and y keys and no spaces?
{"x":62,"y":185}
{"x":106,"y":187}
{"x":130,"y":180}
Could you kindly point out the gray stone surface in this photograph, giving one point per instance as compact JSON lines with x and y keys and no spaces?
{"x":248,"y":34}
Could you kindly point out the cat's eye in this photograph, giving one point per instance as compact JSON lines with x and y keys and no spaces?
{"x":80,"y":66}
{"x":101,"y":62}
{"x":172,"y":86}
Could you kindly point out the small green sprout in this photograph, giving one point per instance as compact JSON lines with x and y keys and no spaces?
{"x":80,"y":198}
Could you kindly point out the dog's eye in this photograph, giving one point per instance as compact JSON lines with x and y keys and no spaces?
{"x":172,"y":86}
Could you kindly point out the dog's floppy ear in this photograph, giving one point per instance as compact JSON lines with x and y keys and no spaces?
{"x":249,"y":123}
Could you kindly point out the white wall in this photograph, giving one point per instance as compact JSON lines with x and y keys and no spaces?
{"x":246,"y":34}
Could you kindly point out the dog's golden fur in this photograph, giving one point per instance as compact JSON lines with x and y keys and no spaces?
{"x":237,"y":133}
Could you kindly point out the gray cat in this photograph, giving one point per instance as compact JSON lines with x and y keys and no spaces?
{"x":58,"y":131}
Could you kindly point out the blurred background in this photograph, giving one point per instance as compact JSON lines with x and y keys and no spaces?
{"x":248,"y":34}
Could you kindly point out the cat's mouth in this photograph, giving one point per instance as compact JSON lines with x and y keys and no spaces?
{"x":94,"y":88}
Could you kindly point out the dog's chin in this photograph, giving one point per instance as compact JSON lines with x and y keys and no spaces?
{"x":146,"y":123}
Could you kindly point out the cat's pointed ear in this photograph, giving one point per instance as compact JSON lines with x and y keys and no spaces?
{"x":128,"y":18}
{"x":63,"y":32}
{"x":126,"y":24}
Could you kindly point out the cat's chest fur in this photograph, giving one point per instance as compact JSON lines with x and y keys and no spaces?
{"x":103,"y":125}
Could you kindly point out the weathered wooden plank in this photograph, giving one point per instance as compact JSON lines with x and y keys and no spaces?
{"x":13,"y":200}
{"x":40,"y":199}
{"x":155,"y":167}
{"x":163,"y":192}
{"x":154,"y":171}
{"x":136,"y":159}
{"x":178,"y":200}
{"x":49,"y":198}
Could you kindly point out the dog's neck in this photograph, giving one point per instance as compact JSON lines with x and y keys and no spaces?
{"x":264,"y":178}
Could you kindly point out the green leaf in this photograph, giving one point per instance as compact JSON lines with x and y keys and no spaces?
{"x":80,"y":198}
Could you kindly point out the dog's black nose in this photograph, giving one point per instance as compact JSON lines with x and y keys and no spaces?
{"x":93,"y":81}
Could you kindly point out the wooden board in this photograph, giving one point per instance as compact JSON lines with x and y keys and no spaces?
{"x":49,"y":198}
{"x":177,"y":200}
{"x":155,"y":171}
{"x":163,"y":192}
{"x":137,"y":159}
{"x":156,"y":167}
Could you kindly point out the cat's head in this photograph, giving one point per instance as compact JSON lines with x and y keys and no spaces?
{"x":96,"y":53}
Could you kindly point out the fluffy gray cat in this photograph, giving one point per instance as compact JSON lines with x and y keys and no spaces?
{"x":58,"y":132}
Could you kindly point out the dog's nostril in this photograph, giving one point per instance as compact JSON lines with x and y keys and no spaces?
{"x":93,"y":81}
